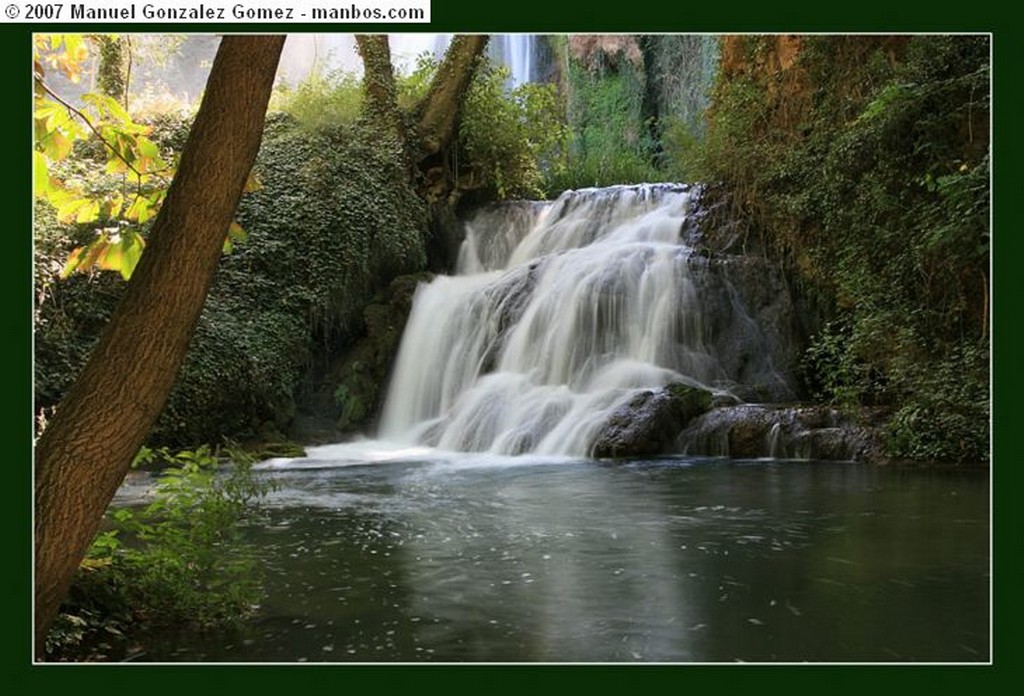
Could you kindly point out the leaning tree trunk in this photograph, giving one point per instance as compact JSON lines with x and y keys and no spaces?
{"x":437,"y":121}
{"x":439,"y":112}
{"x":88,"y":446}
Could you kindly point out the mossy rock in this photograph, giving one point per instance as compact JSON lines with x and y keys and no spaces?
{"x":272,"y":450}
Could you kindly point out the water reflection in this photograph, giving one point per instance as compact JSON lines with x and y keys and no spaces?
{"x":512,"y":560}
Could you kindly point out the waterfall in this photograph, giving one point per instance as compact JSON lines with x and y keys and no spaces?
{"x":559,"y":314}
{"x":516,"y":52}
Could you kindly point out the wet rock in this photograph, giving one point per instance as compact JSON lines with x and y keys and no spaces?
{"x":790,"y":432}
{"x":648,"y":423}
{"x":359,"y":375}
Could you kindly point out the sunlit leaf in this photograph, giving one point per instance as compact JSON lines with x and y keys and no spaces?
{"x":116,"y":165}
{"x":133,"y":245}
{"x":75,"y":47}
{"x":84,"y":258}
{"x":89,"y":212}
{"x":147,"y":148}
{"x":41,"y":175}
{"x":236,"y":234}
{"x":114,"y":204}
{"x":252,"y":182}
{"x":111,"y":257}
{"x":56,"y":146}
{"x":74,"y":260}
{"x":67,"y":211}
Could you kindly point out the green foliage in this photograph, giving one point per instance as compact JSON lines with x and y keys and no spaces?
{"x":177,"y":560}
{"x":324,"y":98}
{"x":68,"y":313}
{"x":866,"y":169}
{"x":611,"y":141}
{"x":946,"y":419}
{"x":511,"y":137}
{"x":414,"y":87}
{"x":334,"y":220}
{"x":117,"y":205}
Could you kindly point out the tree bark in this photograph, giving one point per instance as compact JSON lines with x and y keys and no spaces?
{"x":439,"y":111}
{"x":381,"y":94}
{"x":88,"y":446}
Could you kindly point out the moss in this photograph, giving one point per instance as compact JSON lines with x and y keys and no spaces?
{"x":358,"y":377}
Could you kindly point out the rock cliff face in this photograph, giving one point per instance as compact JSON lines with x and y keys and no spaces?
{"x":346,"y":400}
{"x":606,"y":50}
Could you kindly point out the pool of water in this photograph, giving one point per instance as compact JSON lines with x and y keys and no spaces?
{"x":676,"y":560}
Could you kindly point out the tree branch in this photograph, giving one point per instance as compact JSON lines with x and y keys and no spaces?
{"x":439,"y":110}
{"x":57,"y":98}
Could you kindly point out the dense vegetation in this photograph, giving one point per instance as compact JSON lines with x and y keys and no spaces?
{"x":176,"y":561}
{"x":331,"y":222}
{"x":863,"y":163}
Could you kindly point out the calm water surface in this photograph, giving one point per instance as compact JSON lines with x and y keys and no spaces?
{"x":672,"y":560}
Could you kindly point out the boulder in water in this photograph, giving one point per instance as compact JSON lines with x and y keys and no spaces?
{"x":649,"y":422}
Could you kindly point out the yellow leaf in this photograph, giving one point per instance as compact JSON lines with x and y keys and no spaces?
{"x":41,"y":175}
{"x":252,"y":183}
{"x":61,"y":146}
{"x":114,"y":205}
{"x":68,"y":210}
{"x":88,"y":212}
{"x":74,"y":259}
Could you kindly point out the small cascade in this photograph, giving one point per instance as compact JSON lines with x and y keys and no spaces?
{"x":561,"y":316}
{"x":774,"y":441}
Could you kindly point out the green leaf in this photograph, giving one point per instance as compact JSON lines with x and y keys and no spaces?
{"x":56,"y":146}
{"x":139,"y":211}
{"x":41,"y":175}
{"x":147,"y":148}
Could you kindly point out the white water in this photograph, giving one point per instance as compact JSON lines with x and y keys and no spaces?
{"x":557,"y":317}
{"x":516,"y":52}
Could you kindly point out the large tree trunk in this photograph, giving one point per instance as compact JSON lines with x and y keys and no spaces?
{"x":439,"y":112}
{"x":381,"y":94}
{"x":438,"y":118}
{"x":112,"y":74}
{"x":88,"y":446}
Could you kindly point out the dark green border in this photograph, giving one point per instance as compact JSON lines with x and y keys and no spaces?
{"x":559,"y":17}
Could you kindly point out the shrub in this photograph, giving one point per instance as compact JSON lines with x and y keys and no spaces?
{"x":510,"y":138}
{"x":178,"y":560}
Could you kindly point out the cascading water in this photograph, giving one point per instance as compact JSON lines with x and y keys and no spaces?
{"x":516,"y":52}
{"x":558,"y":316}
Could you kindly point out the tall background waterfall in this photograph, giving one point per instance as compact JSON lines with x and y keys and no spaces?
{"x":559,"y":315}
